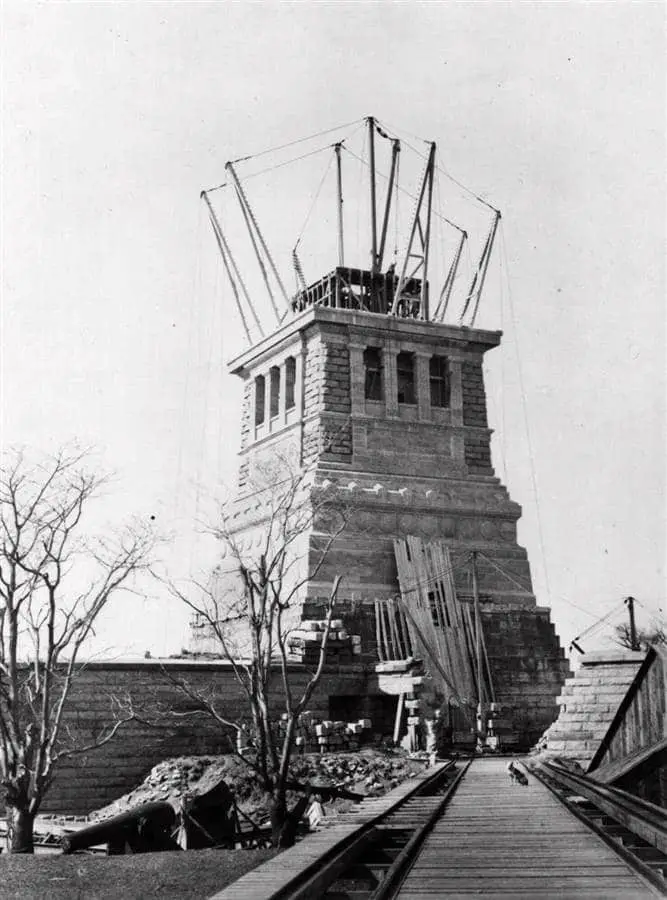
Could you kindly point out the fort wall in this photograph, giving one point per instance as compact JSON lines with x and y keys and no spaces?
{"x":103,"y":690}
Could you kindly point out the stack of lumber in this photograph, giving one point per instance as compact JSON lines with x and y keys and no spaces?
{"x":304,"y":643}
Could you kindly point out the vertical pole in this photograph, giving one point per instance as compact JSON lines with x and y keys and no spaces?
{"x":395,"y":150}
{"x":427,"y":236}
{"x":485,"y":266}
{"x":339,"y":182}
{"x":478,"y":636}
{"x":374,"y":239}
{"x":446,"y":293}
{"x":416,"y":224}
{"x":248,"y":214}
{"x":630,"y":603}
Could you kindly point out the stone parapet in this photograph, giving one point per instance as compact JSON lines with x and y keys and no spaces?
{"x":589,"y":702}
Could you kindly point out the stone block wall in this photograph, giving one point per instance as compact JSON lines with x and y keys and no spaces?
{"x":87,"y":782}
{"x":246,"y":414}
{"x":474,"y":395}
{"x":477,"y":443}
{"x":527,"y":664}
{"x":246,"y":431}
{"x":589,"y":702}
{"x":327,"y":401}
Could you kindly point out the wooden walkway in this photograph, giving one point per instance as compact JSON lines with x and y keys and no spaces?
{"x":276,"y":874}
{"x":499,"y":839}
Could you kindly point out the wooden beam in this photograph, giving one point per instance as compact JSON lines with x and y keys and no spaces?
{"x":400,"y":706}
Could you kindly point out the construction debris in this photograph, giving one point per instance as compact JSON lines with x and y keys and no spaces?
{"x":367,"y":772}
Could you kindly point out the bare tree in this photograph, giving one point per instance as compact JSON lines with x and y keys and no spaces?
{"x":53,"y":586}
{"x":246,"y":609}
{"x":645,"y":637}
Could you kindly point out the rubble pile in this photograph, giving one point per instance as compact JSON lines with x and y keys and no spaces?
{"x":304,"y":643}
{"x":368,"y":772}
{"x":172,"y":779}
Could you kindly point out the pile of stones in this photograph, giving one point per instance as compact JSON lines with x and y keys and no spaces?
{"x":325,"y":736}
{"x":304,"y":643}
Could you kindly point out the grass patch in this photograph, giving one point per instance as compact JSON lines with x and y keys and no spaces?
{"x":190,"y":875}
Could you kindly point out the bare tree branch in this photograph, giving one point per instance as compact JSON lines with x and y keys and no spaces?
{"x":269,"y":559}
{"x":53,"y":586}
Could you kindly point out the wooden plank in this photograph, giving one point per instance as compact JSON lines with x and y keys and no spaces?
{"x":509,"y":841}
{"x":378,"y":637}
{"x":389,"y":606}
{"x":400,"y":706}
{"x":383,"y":636}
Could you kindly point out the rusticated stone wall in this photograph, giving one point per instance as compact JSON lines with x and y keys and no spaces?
{"x":87,"y":782}
{"x":477,"y":437}
{"x":327,"y":429}
{"x":527,"y":665}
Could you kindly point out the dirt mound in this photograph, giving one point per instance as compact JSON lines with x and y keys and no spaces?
{"x":367,"y":772}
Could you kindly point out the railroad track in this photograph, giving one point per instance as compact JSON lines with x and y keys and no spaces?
{"x":634,"y":828}
{"x":467,"y":830}
{"x":393,"y":843}
{"x":356,"y":855}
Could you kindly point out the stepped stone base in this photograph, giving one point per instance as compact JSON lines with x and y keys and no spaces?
{"x":528,"y":667}
{"x":588,"y":703}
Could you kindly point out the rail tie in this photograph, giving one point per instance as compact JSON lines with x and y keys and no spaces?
{"x":634,"y":828}
{"x":307,"y":870}
{"x":463,"y":830}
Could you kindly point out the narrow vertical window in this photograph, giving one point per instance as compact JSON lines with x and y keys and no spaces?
{"x":274,"y":398}
{"x":405,"y":377}
{"x":439,"y":380}
{"x":290,"y":381}
{"x":373,"y":373}
{"x":259,"y":399}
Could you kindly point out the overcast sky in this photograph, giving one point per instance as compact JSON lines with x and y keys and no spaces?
{"x":117,"y":322}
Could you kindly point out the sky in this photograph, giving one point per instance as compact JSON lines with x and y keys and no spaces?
{"x":117,"y":322}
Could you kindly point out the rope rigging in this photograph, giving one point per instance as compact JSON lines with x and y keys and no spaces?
{"x":402,"y":190}
{"x":440,"y":169}
{"x":419,"y":263}
{"x":310,"y":137}
{"x":524,"y":406}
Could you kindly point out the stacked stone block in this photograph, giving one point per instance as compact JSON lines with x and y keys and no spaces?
{"x":589,"y":702}
{"x":327,"y":428}
{"x":528,"y":667}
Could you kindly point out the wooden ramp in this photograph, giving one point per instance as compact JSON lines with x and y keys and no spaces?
{"x":499,"y":839}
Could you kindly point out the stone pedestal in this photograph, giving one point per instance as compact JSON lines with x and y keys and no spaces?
{"x":399,"y":450}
